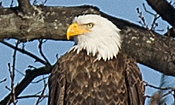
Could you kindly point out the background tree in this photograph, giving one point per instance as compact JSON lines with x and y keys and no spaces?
{"x":33,"y":21}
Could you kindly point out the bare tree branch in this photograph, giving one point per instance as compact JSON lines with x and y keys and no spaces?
{"x":3,"y":80}
{"x":150,"y":49}
{"x":160,"y":88}
{"x":11,"y":4}
{"x":12,"y":75}
{"x":42,"y":94}
{"x":27,"y":22}
{"x":41,"y":42}
{"x":25,"y":6}
{"x":142,"y":22}
{"x":31,"y":96}
{"x":30,"y":75}
{"x":45,"y":23}
{"x":156,"y":16}
{"x":40,"y":80}
{"x":165,"y":9}
{"x":37,"y":59}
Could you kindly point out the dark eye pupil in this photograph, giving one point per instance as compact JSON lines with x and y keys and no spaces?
{"x":90,"y":25}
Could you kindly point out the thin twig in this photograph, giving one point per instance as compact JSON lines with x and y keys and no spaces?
{"x":12,"y":3}
{"x":142,"y":22}
{"x":34,"y":2}
{"x":160,"y":88}
{"x":25,"y":52}
{"x":154,"y":24}
{"x":169,"y":92}
{"x":32,"y":96}
{"x":41,"y":52}
{"x":44,"y":2}
{"x":3,"y":80}
{"x":12,"y":74}
{"x":40,"y":80}
{"x":159,"y":97}
{"x":147,"y":10}
{"x":42,"y":94}
{"x":30,"y":75}
{"x":156,"y":16}
{"x":20,"y":72}
{"x":7,"y":88}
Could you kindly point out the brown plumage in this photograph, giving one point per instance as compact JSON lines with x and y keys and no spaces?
{"x":78,"y":79}
{"x":94,"y":72}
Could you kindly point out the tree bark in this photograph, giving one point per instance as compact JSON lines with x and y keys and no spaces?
{"x":30,"y":75}
{"x":44,"y":22}
{"x":27,"y":22}
{"x":164,"y":9}
{"x":148,"y":48}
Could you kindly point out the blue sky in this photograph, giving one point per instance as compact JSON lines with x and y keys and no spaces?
{"x":125,"y":9}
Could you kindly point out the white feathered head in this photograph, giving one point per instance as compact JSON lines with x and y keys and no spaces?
{"x":96,"y":35}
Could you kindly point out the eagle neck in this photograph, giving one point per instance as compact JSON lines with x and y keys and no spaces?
{"x":105,"y":48}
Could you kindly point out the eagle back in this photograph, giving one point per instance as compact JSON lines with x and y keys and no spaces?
{"x":93,"y":82}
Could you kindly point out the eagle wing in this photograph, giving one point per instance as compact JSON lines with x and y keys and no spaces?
{"x":134,"y":83}
{"x":56,"y":86}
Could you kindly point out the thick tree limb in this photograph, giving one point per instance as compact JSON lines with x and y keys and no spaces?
{"x":165,"y":9}
{"x":30,"y":75}
{"x":45,"y":22}
{"x":148,"y":48}
{"x":24,"y":6}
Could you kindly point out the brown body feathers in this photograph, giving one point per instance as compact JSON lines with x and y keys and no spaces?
{"x":80,"y":79}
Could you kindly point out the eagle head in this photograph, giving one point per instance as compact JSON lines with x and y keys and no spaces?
{"x":95,"y":34}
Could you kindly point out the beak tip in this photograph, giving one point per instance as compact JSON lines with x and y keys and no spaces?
{"x":67,"y":35}
{"x":68,"y":38}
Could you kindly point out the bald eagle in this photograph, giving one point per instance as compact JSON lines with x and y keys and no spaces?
{"x":94,"y":71}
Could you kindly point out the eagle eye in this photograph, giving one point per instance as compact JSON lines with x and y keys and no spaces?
{"x":90,"y":25}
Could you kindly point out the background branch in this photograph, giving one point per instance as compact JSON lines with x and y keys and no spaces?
{"x":164,"y":9}
{"x":3,"y":80}
{"x":32,"y":96}
{"x":37,"y":59}
{"x":41,"y":42}
{"x":30,"y":75}
{"x":151,"y":49}
{"x":24,"y":7}
{"x":12,"y":75}
{"x":42,"y":94}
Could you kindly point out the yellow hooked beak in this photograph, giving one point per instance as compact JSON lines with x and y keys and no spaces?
{"x":75,"y":29}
